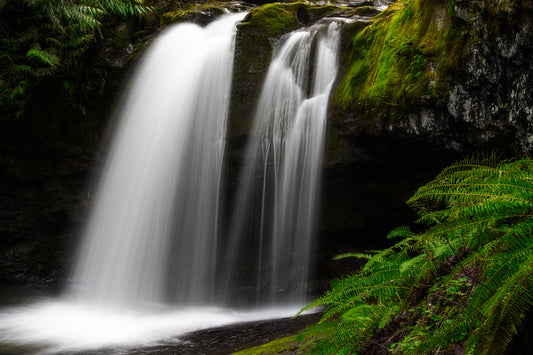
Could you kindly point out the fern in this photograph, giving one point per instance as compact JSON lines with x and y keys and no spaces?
{"x":359,"y":323}
{"x":476,"y":251}
{"x":353,"y":255}
{"x":50,"y":37}
{"x":505,"y":311}
{"x":44,"y":57}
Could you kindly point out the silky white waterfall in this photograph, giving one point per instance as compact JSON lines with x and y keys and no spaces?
{"x":150,"y":262}
{"x":146,"y":266}
{"x":279,"y":188}
{"x":157,"y":200}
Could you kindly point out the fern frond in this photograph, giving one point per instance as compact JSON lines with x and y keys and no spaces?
{"x":506,"y":311}
{"x":356,"y":326}
{"x":21,"y":68}
{"x":400,"y":232}
{"x":353,"y":255}
{"x":43,"y":57}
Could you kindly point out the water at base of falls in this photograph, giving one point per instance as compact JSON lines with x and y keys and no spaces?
{"x":58,"y":326}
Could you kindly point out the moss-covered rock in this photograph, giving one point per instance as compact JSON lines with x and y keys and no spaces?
{"x":406,"y":55}
{"x":454,"y":73}
{"x":201,"y":14}
{"x":256,"y":37}
{"x":400,"y":62}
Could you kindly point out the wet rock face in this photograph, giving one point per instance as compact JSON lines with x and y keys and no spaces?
{"x":487,"y":104}
{"x":494,"y":96}
{"x":44,"y":190}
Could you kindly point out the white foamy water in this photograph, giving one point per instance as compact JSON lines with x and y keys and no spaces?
{"x":53,"y":326}
{"x":151,"y":236}
{"x":146,"y":270}
{"x":279,"y":187}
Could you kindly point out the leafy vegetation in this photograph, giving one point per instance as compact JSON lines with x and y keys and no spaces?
{"x":465,"y":281}
{"x":45,"y":38}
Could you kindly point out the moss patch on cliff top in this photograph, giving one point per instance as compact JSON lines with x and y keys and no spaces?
{"x":271,"y":20}
{"x":257,"y":35}
{"x":200,"y":13}
{"x":276,"y":19}
{"x":408,"y":54}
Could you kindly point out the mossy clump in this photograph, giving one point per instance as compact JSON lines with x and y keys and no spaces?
{"x":278,"y":346}
{"x":193,"y":12}
{"x":409,"y":53}
{"x":271,"y":20}
{"x":275,"y":19}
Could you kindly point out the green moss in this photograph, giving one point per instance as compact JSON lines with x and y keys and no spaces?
{"x":190,"y":11}
{"x":410,"y":52}
{"x":275,"y":19}
{"x":272,"y":19}
{"x":278,"y":346}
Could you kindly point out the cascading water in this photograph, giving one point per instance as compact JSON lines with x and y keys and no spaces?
{"x":150,"y":250}
{"x":148,"y":257}
{"x":158,"y":196}
{"x":279,"y":187}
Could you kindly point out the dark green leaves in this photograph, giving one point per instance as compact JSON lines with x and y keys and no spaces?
{"x":40,"y":38}
{"x":467,"y":279}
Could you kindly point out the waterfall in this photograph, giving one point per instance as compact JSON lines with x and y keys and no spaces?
{"x":279,"y":188}
{"x":152,"y":236}
{"x":158,"y":196}
{"x":150,"y":262}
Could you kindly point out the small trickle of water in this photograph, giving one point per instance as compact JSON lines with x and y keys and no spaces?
{"x":279,"y":187}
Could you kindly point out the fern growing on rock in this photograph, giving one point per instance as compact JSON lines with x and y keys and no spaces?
{"x":465,"y":282}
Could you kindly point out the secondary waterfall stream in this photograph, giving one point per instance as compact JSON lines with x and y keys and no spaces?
{"x":279,"y":187}
{"x":152,"y":263}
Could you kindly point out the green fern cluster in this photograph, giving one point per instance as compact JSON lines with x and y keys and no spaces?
{"x":466,"y":281}
{"x":39,"y":38}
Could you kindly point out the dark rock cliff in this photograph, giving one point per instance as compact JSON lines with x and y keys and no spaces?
{"x":481,"y":103}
